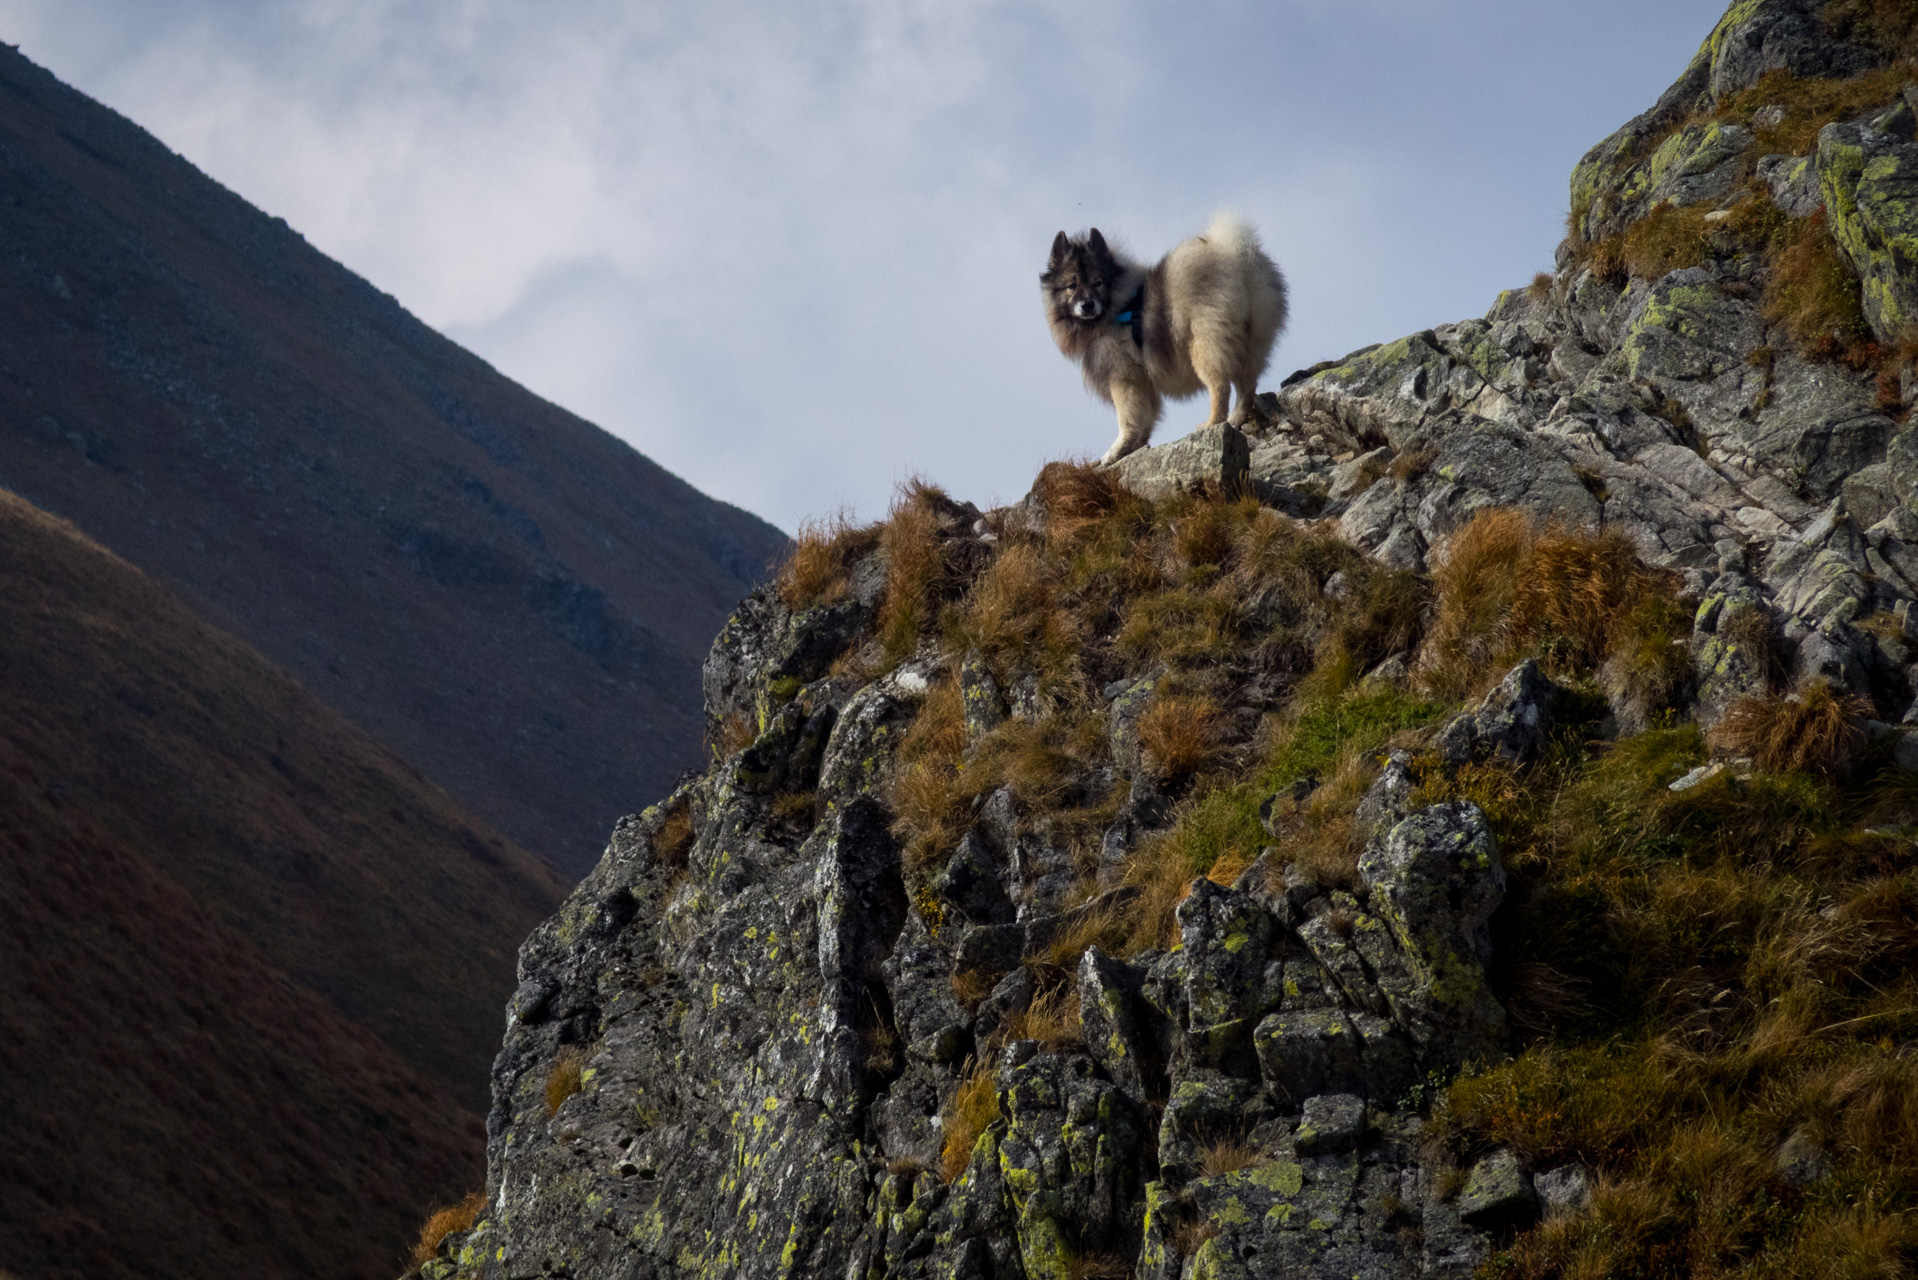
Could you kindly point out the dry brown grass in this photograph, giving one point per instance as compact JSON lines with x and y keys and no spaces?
{"x":1321,"y":840}
{"x":1540,"y":289}
{"x":814,"y":572}
{"x":1580,"y":590}
{"x":1105,"y":928}
{"x":971,"y":988}
{"x":1012,"y":614}
{"x":915,"y":568}
{"x":1228,"y":1155}
{"x":973,"y":1109}
{"x":795,"y":806}
{"x":1819,"y":730}
{"x":1664,"y":240}
{"x":1052,"y":1019}
{"x":1075,"y":494}
{"x":1096,"y":1266}
{"x":928,"y":804}
{"x":565,"y":1077}
{"x":1888,"y":25}
{"x":1191,"y":1233}
{"x":1208,"y":534}
{"x":1813,"y":295}
{"x":731,"y":736}
{"x":1411,"y":464}
{"x":673,"y":842}
{"x":1180,"y":735}
{"x":1507,"y":588}
{"x":879,"y":1045}
{"x":1475,"y":573}
{"x":443,"y":1223}
{"x":1811,"y":104}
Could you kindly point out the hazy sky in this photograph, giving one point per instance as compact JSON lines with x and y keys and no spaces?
{"x":790,"y":250}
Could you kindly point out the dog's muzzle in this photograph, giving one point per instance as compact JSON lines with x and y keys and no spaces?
{"x":1087,"y":309}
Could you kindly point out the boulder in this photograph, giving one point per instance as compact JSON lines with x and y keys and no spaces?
{"x":1217,"y":457}
{"x":1435,"y":880}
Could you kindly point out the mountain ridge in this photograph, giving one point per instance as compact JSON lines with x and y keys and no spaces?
{"x":493,"y":586}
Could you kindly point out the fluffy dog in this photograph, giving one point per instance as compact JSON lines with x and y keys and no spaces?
{"x":1204,"y":318}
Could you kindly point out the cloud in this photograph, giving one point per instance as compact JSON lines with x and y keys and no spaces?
{"x":790,"y":251}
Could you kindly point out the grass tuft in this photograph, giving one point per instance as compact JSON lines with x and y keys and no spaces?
{"x":1180,"y":735}
{"x":1228,"y":1155}
{"x":1818,"y":730}
{"x":564,"y":1078}
{"x":1813,"y":295}
{"x":1052,"y":1019}
{"x":973,"y":1109}
{"x":443,"y":1223}
{"x":815,"y":571}
{"x":1507,"y":588}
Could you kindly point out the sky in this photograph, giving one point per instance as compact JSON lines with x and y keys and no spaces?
{"x":790,"y":250}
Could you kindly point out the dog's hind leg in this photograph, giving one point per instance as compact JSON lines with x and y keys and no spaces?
{"x":1138,"y":406}
{"x":1221,"y":393}
{"x":1248,"y":410}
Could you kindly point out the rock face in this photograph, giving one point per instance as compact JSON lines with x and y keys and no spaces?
{"x":767,"y":1037}
{"x":1670,"y":405}
{"x":794,"y":1064}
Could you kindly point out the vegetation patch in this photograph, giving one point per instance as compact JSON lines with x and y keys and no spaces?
{"x":565,"y":1077}
{"x":443,"y":1223}
{"x":1813,"y":294}
{"x":973,"y":1109}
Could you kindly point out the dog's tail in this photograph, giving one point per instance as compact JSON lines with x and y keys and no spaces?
{"x":1234,"y":234}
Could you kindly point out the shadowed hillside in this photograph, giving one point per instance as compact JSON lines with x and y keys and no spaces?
{"x":503,"y":593}
{"x":252,"y":961}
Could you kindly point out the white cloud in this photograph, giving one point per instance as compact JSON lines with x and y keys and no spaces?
{"x":790,"y":251}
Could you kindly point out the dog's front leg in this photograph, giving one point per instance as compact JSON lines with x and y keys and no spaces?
{"x":1138,"y":406}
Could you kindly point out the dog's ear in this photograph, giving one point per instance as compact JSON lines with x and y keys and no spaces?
{"x":1097,"y":243}
{"x":1058,"y":257}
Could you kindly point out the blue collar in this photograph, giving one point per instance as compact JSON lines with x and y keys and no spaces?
{"x":1134,"y":314}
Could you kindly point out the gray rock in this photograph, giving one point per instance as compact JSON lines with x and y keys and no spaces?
{"x":1216,"y":457}
{"x":1123,"y":722}
{"x":1870,"y":180}
{"x":1794,"y":184}
{"x":1330,"y":1123}
{"x":1309,"y":1052}
{"x":1498,"y":1194}
{"x":985,"y":704}
{"x":1387,"y":799}
{"x":972,"y":883}
{"x":1353,"y":477}
{"x":1435,"y":880}
{"x":1512,"y":725}
{"x":1012,"y":994}
{"x":1802,"y":1161}
{"x":1564,"y":1191}
{"x":1114,"y":1016}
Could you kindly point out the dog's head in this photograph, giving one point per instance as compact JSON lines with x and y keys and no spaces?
{"x":1079,"y":278}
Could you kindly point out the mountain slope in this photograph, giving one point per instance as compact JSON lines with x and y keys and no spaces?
{"x":509,"y":597}
{"x":253,"y":962}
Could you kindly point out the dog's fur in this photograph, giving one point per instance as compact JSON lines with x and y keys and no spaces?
{"x":1209,"y":314}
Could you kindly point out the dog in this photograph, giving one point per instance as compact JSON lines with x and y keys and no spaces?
{"x":1204,"y":318}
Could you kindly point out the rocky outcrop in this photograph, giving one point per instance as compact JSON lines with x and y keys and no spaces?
{"x":803,"y":1052}
{"x":768,"y":1040}
{"x":1670,"y":406}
